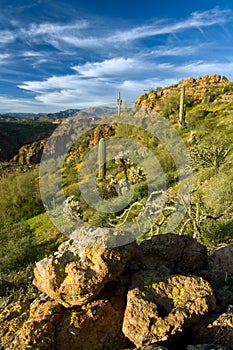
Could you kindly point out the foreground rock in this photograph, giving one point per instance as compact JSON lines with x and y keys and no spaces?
{"x":158,"y":308}
{"x":94,"y":326}
{"x":219,"y":330}
{"x":39,"y":329}
{"x":170,"y":253}
{"x":102,"y":294}
{"x":76,"y":274}
{"x":12,"y":317}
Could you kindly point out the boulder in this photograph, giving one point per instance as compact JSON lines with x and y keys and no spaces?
{"x":161,"y":307}
{"x":39,"y":328}
{"x":222,"y":259}
{"x":77,"y":273}
{"x":96,"y":325}
{"x":170,"y":253}
{"x":218,"y":331}
{"x":12,"y":318}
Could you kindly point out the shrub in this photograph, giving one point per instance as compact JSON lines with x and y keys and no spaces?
{"x":20,"y":197}
{"x":17,"y":248}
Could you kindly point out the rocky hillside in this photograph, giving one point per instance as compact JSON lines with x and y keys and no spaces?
{"x":199,"y":90}
{"x":166,"y":293}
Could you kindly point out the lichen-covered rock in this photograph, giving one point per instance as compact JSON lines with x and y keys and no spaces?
{"x":12,"y":318}
{"x":219,"y":330}
{"x":77,"y":273}
{"x":160,"y":307}
{"x":96,"y":325}
{"x":170,"y":253}
{"x":38,"y":331}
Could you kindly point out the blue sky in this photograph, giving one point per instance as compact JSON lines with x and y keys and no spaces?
{"x":56,"y":55}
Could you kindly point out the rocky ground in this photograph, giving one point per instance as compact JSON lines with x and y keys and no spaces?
{"x":166,"y":293}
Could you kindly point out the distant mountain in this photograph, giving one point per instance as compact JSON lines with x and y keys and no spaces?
{"x":98,"y":111}
{"x":40,"y":116}
{"x":83,"y":113}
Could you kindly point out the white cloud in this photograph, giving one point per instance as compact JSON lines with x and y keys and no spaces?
{"x":4,"y":57}
{"x":114,"y":66}
{"x":6,"y":37}
{"x":20,"y":105}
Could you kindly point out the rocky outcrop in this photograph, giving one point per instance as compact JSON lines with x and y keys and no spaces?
{"x":30,"y":154}
{"x":198,"y":89}
{"x":158,"y":295}
{"x":77,"y":274}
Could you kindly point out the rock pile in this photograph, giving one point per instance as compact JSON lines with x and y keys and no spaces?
{"x":163,"y":294}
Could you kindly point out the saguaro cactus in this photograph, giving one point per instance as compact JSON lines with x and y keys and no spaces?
{"x":182,"y":109}
{"x":119,"y":103}
{"x":102,"y":159}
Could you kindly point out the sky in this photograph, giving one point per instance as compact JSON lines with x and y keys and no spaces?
{"x":57,"y":55}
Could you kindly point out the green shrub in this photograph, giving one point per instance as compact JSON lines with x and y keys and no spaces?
{"x":16,"y":248}
{"x":20,"y":197}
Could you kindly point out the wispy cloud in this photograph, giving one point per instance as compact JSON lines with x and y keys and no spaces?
{"x":204,"y":67}
{"x":196,"y":20}
{"x":84,"y":34}
{"x":6,"y":37}
{"x":4,"y":57}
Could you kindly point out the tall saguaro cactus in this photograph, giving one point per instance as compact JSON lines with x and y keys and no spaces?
{"x":102,"y":159}
{"x":119,"y":103}
{"x":182,"y":108}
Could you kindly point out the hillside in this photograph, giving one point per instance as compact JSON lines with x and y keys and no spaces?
{"x":160,"y":284}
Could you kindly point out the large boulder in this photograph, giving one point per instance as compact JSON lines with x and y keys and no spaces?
{"x":77,"y":273}
{"x":171,"y":253}
{"x":160,"y":307}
